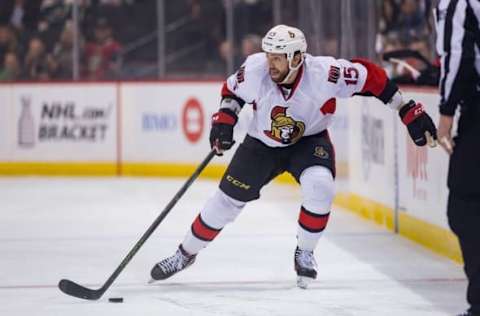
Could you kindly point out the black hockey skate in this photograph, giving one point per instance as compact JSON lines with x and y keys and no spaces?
{"x":305,"y":266}
{"x":171,"y":265}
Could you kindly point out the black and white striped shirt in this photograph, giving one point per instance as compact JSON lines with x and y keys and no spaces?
{"x":458,"y":44}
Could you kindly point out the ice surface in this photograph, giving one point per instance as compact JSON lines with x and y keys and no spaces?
{"x":81,"y":228}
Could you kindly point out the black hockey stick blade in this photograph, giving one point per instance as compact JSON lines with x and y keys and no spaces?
{"x":73,"y":289}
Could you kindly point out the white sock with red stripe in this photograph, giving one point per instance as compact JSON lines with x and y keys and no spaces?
{"x":310,"y":228}
{"x":318,"y":190}
{"x":218,"y":212}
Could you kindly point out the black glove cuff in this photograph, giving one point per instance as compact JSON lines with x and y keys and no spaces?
{"x":405,"y":108}
{"x":388,"y":92}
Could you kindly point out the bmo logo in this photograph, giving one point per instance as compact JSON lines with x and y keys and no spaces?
{"x":192,"y":120}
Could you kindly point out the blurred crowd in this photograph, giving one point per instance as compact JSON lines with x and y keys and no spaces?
{"x":117,"y":39}
{"x":406,"y":35}
{"x":37,"y":40}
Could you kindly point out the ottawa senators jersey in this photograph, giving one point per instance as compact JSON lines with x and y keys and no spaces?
{"x":281,"y":117}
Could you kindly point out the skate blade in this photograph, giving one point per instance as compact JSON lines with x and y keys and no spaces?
{"x":303,"y":282}
{"x":152,"y":281}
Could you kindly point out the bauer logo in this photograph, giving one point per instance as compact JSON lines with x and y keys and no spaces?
{"x":192,"y":120}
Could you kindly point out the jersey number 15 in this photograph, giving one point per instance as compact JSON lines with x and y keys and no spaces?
{"x":350,"y":75}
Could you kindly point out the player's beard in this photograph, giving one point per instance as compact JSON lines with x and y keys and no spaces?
{"x":279,"y":77}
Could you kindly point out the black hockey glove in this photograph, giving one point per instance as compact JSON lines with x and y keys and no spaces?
{"x":221,"y":134}
{"x":419,"y":124}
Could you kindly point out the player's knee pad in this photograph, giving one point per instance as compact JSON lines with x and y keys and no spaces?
{"x":221,"y":210}
{"x":318,"y":188}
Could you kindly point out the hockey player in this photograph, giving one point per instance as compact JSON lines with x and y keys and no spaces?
{"x":293,"y":98}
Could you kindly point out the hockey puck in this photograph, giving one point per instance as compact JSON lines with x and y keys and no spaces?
{"x":115,"y":299}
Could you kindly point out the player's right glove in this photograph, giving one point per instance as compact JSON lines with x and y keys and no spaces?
{"x":221,"y":134}
{"x":419,"y":124}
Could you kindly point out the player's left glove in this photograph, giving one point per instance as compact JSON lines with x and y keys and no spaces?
{"x":419,"y":124}
{"x":221,"y":134}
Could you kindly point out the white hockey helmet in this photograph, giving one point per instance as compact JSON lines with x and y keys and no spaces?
{"x":284,"y":39}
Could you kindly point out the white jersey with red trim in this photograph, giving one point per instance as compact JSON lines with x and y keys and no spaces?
{"x":282,"y":117}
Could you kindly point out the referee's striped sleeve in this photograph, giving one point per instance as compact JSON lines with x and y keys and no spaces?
{"x":456,"y":45}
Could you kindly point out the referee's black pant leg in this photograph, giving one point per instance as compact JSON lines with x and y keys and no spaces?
{"x":464,"y":220}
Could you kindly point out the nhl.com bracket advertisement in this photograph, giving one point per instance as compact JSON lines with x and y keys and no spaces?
{"x":61,"y":123}
{"x":62,"y":120}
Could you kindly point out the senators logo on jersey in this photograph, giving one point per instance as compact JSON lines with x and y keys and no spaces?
{"x":284,"y":128}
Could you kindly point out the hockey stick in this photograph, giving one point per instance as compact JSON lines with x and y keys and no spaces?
{"x":74,"y":289}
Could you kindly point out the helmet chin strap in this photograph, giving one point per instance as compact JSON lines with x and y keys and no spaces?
{"x":291,"y":69}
